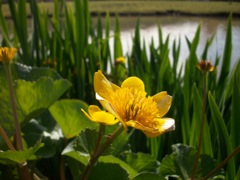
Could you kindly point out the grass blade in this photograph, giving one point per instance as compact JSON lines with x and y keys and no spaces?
{"x":117,"y":40}
{"x":223,"y":137}
{"x":235,"y":125}
{"x":226,"y":59}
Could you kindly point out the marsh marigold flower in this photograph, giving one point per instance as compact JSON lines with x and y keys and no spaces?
{"x":130,"y":105}
{"x":205,"y":66}
{"x":7,"y":54}
{"x":121,"y":60}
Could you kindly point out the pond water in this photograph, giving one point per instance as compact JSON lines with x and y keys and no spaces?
{"x":179,"y":27}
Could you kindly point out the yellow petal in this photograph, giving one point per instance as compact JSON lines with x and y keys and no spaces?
{"x":104,"y":118}
{"x":133,"y":82}
{"x":162,"y":125}
{"x":102,"y":86}
{"x":99,"y":116}
{"x":163,"y":101}
{"x":165,"y":125}
{"x":138,"y":125}
{"x":87,"y":115}
{"x":92,"y":109}
{"x":107,"y":105}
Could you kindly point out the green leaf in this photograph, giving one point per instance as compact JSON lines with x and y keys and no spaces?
{"x":147,"y":176}
{"x":70,"y":151}
{"x":226,"y":56}
{"x":181,"y":162}
{"x":85,"y":142}
{"x":107,"y":171}
{"x":36,"y":89}
{"x":82,"y":147}
{"x":76,"y":168}
{"x":235,"y":125}
{"x":114,"y":160}
{"x":196,"y":123}
{"x":117,"y":40}
{"x":120,"y":144}
{"x":238,"y":173}
{"x":33,"y":96}
{"x":69,"y":116}
{"x":18,"y":157}
{"x":141,"y":162}
{"x":28,"y":73}
{"x":46,"y":130}
{"x":193,"y":60}
{"x":224,"y":140}
{"x":207,"y":45}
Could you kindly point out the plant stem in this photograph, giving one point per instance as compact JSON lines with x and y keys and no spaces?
{"x":201,"y":128}
{"x":100,"y":150}
{"x":62,"y":163}
{"x":19,"y":144}
{"x":6,"y":139}
{"x":100,"y":131}
{"x":23,"y":170}
{"x":222,"y":163}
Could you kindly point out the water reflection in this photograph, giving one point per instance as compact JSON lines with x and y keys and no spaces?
{"x":181,"y":27}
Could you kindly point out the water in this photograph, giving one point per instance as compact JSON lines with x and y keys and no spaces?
{"x":177,"y":27}
{"x":181,"y":27}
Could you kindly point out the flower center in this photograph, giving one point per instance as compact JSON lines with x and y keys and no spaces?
{"x":132,"y":104}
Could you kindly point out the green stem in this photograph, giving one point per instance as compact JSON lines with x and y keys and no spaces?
{"x":222,"y":163}
{"x":202,"y":127}
{"x":19,"y":144}
{"x":62,"y":163}
{"x":100,"y":131}
{"x":23,"y":170}
{"x":99,"y":152}
{"x":6,"y":139}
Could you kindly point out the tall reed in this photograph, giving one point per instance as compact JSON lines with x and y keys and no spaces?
{"x":67,"y":42}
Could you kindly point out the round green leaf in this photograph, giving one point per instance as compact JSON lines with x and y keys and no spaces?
{"x":70,"y":118}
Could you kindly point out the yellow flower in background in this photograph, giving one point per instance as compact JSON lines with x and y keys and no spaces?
{"x":205,"y":66}
{"x":121,"y":60}
{"x":7,"y":54}
{"x":99,"y":116}
{"x":131,"y":107}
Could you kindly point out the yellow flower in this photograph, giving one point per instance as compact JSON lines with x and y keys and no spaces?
{"x":121,"y":60}
{"x":7,"y":54}
{"x":99,"y":116}
{"x":205,"y":66}
{"x":130,"y":105}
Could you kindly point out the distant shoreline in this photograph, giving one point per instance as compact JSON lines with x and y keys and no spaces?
{"x":168,"y":13}
{"x":148,"y":8}
{"x":161,"y":8}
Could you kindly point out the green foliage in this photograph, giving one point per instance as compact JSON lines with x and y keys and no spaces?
{"x":116,"y":172}
{"x":36,"y":89}
{"x":146,"y":176}
{"x":222,"y":132}
{"x":70,"y":118}
{"x":235,"y":113}
{"x":18,"y":157}
{"x":141,"y":162}
{"x":51,"y":92}
{"x":180,"y":163}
